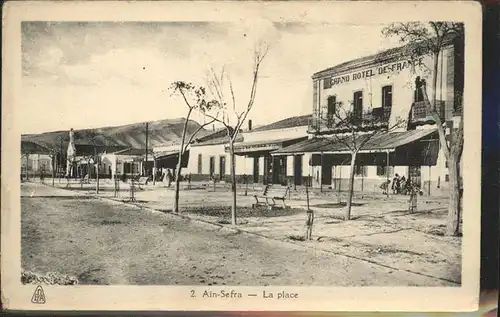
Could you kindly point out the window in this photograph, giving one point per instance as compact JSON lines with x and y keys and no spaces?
{"x":327,"y":83}
{"x":222,"y":167}
{"x":135,"y":168}
{"x":358,"y":106}
{"x":446,"y":164}
{"x":419,"y":83}
{"x":359,"y":170}
{"x":387,"y":96}
{"x":381,"y":170}
{"x":200,"y":162}
{"x":212,"y":165}
{"x":332,"y":101}
{"x":127,"y":168}
{"x":447,"y":178}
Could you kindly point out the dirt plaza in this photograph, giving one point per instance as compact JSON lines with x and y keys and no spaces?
{"x":400,"y":248}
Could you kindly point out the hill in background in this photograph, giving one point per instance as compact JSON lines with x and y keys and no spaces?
{"x":130,"y":135}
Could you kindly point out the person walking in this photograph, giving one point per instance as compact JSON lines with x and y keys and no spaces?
{"x":396,"y":184}
{"x":169,"y":178}
{"x":42,"y":175}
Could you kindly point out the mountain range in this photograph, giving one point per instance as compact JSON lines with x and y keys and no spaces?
{"x":127,"y":136}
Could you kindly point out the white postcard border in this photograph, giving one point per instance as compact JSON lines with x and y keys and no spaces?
{"x":17,"y":296}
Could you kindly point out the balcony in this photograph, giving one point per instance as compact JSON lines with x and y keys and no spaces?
{"x":421,"y":115}
{"x":373,"y":118}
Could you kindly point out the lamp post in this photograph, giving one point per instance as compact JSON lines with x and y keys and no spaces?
{"x":54,"y":163}
{"x":145,"y":168}
{"x":96,"y":162}
{"x":60,"y":158}
{"x":154,"y":168}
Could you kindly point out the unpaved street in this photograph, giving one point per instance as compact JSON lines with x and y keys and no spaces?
{"x":111,"y":243}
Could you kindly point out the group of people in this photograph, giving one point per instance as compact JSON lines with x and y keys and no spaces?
{"x":400,"y":185}
{"x":164,"y":176}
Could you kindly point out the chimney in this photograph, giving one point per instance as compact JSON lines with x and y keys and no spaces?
{"x":250,"y":125}
{"x":213,"y":127}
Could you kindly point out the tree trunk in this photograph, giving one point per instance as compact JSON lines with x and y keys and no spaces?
{"x":53,"y":170}
{"x":97,"y":177}
{"x":233,"y":184}
{"x":434,"y":82}
{"x":339,"y":198}
{"x":175,"y":208}
{"x":454,"y":201}
{"x":347,"y":212}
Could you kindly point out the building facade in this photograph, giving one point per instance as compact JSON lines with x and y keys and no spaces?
{"x":254,"y":155}
{"x":210,"y":156}
{"x":382,"y":93}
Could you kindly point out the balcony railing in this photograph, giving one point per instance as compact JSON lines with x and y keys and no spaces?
{"x":420,"y":113}
{"x":328,"y":123}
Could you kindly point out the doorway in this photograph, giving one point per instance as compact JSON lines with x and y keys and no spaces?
{"x":268,"y":169}
{"x":297,"y":169}
{"x":279,"y":170}
{"x":326,"y":174}
{"x":222,"y":167}
{"x":212,"y":166}
{"x":256,"y":169}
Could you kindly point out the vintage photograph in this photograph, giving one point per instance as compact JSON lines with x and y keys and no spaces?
{"x":241,"y":156}
{"x":266,"y":164}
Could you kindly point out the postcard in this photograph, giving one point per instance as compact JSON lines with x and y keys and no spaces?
{"x":234,"y":156}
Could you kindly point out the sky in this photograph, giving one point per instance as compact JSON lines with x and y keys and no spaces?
{"x":96,"y":74}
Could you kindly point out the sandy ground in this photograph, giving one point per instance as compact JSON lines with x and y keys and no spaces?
{"x":104,"y":242}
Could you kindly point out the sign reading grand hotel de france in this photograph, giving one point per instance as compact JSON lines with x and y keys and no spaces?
{"x":388,"y":68}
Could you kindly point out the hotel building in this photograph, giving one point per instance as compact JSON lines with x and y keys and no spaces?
{"x":382,"y":89}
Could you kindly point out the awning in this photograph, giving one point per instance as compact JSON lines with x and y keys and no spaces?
{"x":169,"y":159}
{"x":163,"y":154}
{"x":245,"y":148}
{"x":387,"y":142}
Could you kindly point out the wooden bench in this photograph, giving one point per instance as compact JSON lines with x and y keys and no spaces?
{"x":270,"y":195}
{"x":142,"y":181}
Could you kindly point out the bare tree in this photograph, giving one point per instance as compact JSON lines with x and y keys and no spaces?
{"x":233,"y":117}
{"x":53,"y":154}
{"x":195,"y":100}
{"x":353,"y":131}
{"x":430,"y":39}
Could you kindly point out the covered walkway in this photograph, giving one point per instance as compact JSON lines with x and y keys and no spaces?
{"x":412,"y":149}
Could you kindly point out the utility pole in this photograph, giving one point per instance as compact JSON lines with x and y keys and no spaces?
{"x":146,"y":160}
{"x":60,"y":160}
{"x":96,"y":164}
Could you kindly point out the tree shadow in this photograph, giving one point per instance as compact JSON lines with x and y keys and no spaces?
{"x":428,"y":213}
{"x":337,"y":205}
{"x":244,"y":212}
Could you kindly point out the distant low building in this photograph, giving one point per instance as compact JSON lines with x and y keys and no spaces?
{"x":254,"y":154}
{"x":34,"y":159}
{"x":210,"y":157}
